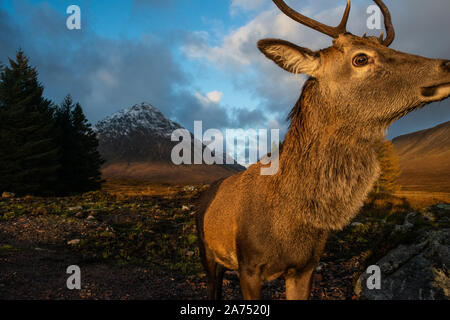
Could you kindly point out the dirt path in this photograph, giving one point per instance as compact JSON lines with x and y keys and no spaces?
{"x":41,"y":274}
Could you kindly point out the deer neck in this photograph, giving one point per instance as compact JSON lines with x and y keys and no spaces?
{"x":327,"y":168}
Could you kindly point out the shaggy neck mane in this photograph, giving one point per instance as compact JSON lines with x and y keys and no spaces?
{"x":327,"y":167}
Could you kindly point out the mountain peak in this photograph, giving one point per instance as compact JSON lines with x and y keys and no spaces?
{"x":142,"y":107}
{"x":140,"y":117}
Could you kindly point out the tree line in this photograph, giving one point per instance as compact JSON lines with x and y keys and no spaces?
{"x":45,"y":149}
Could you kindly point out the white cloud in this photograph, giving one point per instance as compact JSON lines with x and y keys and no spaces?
{"x":210,"y":99}
{"x":238,"y":48}
{"x":215,"y":96}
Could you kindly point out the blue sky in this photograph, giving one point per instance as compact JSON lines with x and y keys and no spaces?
{"x":196,"y":59}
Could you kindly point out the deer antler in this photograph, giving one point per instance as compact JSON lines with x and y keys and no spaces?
{"x":333,"y":32}
{"x":390,"y":36}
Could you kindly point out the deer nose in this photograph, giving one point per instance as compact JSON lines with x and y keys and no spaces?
{"x":446,"y":65}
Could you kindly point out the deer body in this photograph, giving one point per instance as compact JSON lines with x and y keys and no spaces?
{"x":272,"y":226}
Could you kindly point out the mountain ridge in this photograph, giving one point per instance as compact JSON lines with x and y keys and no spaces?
{"x":427,"y":140}
{"x":424,"y":159}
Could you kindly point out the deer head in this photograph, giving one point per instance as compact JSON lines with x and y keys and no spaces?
{"x":361,"y":79}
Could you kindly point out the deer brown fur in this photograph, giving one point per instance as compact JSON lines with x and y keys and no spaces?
{"x":272,"y":226}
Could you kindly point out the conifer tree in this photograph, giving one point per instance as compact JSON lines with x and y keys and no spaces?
{"x":80,"y":160}
{"x":66,"y":140}
{"x":28,"y":151}
{"x":387,"y":183}
{"x":88,"y":160}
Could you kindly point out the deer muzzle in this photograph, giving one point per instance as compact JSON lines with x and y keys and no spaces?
{"x":441,"y":90}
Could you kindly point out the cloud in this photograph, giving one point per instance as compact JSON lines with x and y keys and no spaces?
{"x":190,"y":107}
{"x":238,"y":57}
{"x":106,"y":75}
{"x":211,"y":99}
{"x":215,"y":96}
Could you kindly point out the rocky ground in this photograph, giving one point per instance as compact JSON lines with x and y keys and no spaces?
{"x":145,"y":247}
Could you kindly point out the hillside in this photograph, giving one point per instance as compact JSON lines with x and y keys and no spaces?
{"x":136,"y":143}
{"x":424,"y":159}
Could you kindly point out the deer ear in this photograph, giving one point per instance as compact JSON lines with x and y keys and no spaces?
{"x":290,"y":57}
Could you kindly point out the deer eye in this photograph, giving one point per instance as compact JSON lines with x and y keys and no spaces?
{"x":361,"y":60}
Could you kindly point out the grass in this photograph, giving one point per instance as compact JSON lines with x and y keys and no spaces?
{"x":157,"y":231}
{"x":421,"y":199}
{"x":7,"y":248}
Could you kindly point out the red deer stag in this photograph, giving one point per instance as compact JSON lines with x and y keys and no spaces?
{"x":272,"y":226}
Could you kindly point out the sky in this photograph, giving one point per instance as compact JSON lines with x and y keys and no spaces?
{"x":197,"y":59}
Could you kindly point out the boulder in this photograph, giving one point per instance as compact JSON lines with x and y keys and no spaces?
{"x":418,"y":270}
{"x":74,"y":242}
{"x":77,"y":208}
{"x":357,"y":224}
{"x":443,"y":206}
{"x":406,"y":226}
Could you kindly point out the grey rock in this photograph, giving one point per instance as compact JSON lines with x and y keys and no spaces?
{"x":190,"y":253}
{"x":357,"y":224}
{"x":74,"y":242}
{"x":443,"y":206}
{"x":418,"y":271}
{"x":407,"y":225}
{"x":75,"y":208}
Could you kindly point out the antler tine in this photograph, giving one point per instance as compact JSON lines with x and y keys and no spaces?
{"x":333,"y":32}
{"x":390,"y":31}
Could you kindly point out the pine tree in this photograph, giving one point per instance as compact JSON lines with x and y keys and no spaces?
{"x":28,"y":151}
{"x":387,"y":183}
{"x":87,"y":158}
{"x":80,"y":160}
{"x":66,"y":140}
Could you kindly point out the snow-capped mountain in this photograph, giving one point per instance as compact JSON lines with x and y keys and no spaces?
{"x":136,"y":140}
{"x":142,"y":116}
{"x":139,"y":133}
